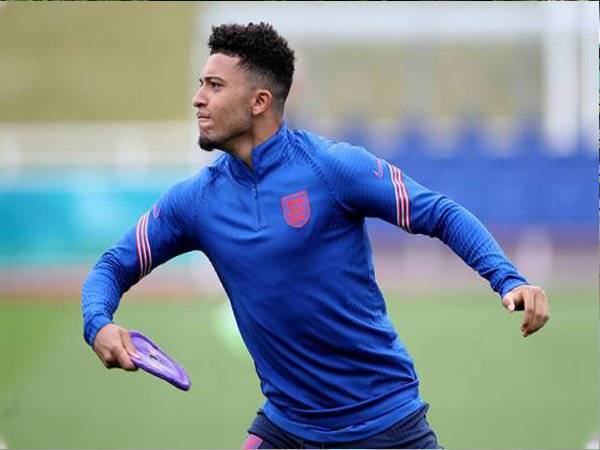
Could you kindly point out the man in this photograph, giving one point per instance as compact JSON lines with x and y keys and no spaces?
{"x":281,"y":216}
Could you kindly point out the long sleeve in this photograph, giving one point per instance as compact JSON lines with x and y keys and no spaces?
{"x":436,"y":215}
{"x":160,"y":234}
{"x":367,"y":186}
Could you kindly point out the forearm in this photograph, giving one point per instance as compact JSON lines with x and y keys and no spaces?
{"x":101,"y":293}
{"x":473,"y":243}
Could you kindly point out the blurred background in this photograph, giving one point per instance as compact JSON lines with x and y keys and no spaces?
{"x":494,"y":104}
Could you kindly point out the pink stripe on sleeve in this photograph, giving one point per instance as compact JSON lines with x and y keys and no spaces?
{"x":147,"y":245}
{"x":396,"y":193}
{"x":406,"y":208}
{"x":138,"y":244}
{"x":402,"y":200}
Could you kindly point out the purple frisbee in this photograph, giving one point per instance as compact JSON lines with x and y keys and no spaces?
{"x":156,"y":362}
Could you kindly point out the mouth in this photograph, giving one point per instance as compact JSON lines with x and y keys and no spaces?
{"x":203,"y":120}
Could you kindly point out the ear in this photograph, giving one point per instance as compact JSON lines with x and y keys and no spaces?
{"x":262,"y":101}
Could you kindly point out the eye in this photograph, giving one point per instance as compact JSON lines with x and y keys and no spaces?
{"x":214,"y":86}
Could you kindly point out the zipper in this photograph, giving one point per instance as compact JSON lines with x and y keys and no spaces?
{"x":260,"y":223}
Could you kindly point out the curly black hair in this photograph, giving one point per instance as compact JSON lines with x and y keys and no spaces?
{"x":261,"y":50}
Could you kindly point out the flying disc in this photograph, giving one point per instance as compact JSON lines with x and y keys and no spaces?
{"x":156,"y":362}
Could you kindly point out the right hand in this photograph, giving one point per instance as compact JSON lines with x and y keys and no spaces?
{"x":532,"y":300}
{"x":113,"y":346}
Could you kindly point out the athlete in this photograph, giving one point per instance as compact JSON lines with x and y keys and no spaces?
{"x":281,"y":216}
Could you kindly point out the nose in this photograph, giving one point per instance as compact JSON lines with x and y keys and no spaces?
{"x":199,"y":98}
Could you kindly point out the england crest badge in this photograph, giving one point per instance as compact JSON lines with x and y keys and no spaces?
{"x":296,"y":209}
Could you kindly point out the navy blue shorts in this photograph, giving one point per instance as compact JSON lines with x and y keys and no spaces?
{"x":411,"y":432}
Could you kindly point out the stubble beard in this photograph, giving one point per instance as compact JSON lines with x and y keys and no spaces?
{"x":224,"y":144}
{"x":207,"y":144}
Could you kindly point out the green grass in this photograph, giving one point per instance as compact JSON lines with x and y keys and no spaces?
{"x":487,"y":386}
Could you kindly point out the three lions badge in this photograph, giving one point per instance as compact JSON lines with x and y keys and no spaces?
{"x":296,"y":209}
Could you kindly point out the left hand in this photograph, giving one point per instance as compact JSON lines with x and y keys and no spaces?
{"x":533,"y":301}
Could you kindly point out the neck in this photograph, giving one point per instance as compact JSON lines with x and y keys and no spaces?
{"x":243,"y":145}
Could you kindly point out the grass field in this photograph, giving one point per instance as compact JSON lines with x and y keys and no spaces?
{"x":487,"y":386}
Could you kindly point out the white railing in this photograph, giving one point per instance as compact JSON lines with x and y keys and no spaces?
{"x":99,"y":144}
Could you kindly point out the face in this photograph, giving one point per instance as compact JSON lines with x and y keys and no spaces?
{"x":224,"y":102}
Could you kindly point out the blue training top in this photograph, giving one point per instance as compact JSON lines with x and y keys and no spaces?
{"x":288,"y":241}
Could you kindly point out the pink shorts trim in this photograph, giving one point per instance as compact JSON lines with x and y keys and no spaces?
{"x":252,"y":442}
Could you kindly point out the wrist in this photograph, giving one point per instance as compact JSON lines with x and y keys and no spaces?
{"x":93,"y":326}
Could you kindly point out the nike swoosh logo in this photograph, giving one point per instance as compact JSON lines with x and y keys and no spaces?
{"x":379,"y":172}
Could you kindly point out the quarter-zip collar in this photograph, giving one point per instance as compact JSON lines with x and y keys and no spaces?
{"x":265,"y":156}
